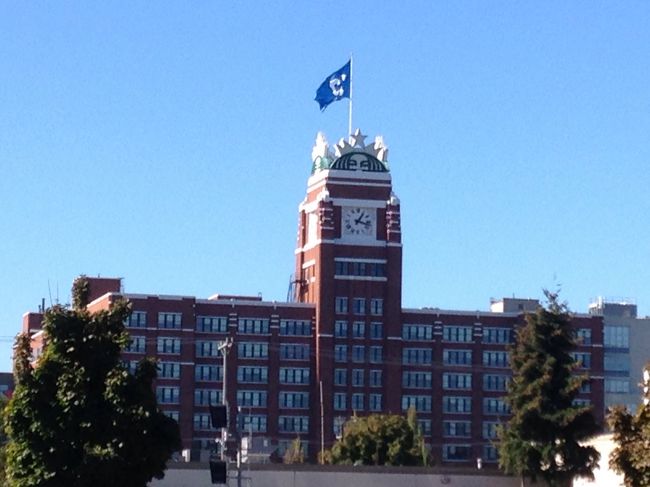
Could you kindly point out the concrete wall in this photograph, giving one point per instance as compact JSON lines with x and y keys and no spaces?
{"x":198,"y":475}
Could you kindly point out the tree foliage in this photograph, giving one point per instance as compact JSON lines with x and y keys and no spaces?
{"x":543,"y":436}
{"x":77,"y":417}
{"x":295,"y":453}
{"x":631,"y":456}
{"x":381,"y":439}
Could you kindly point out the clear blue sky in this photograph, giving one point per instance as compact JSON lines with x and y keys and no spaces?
{"x":169,"y":143}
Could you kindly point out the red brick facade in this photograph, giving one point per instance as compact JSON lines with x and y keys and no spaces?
{"x":346,"y":334}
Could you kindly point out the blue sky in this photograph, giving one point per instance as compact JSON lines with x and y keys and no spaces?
{"x":169,"y":143}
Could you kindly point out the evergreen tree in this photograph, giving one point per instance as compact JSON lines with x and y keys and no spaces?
{"x":542,"y":438}
{"x":631,"y":457}
{"x":77,"y":417}
{"x":380,"y":439}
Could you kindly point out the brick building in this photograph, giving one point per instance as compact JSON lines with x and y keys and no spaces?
{"x":344,"y":336}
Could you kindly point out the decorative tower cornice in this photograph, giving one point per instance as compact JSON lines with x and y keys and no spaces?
{"x":350,"y":155}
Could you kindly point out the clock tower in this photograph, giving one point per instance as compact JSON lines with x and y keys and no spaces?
{"x":349,"y":264}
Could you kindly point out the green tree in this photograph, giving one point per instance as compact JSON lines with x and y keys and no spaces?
{"x":543,"y":437}
{"x":77,"y":417}
{"x":380,"y":439}
{"x":295,"y":453}
{"x":631,"y":457}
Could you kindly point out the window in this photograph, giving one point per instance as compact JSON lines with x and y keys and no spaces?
{"x":294,"y":400}
{"x":294,"y":351}
{"x":581,"y":402}
{"x":253,"y":375}
{"x":337,"y":426}
{"x":374,"y":402}
{"x":462,"y":334}
{"x":359,"y":306}
{"x":295,"y":328}
{"x":169,"y":345}
{"x":294,"y":375}
{"x":456,"y":381}
{"x":202,"y":421}
{"x":175,"y":415}
{"x":616,"y":364}
{"x":293,"y":424}
{"x":422,"y":404}
{"x":212,"y":324}
{"x":495,"y":382}
{"x":169,"y":320}
{"x":493,"y":405}
{"x":456,"y":453}
{"x":349,"y":268}
{"x":255,"y":399}
{"x":357,"y":402}
{"x":376,"y":331}
{"x":497,"y":335}
{"x":583,"y":336}
{"x":253,"y":326}
{"x":203,"y":373}
{"x":253,"y":350}
{"x":376,"y":306}
{"x":358,"y":353}
{"x":457,"y":357}
{"x":136,"y":345}
{"x":417,"y":332}
{"x":340,"y":353}
{"x":425,"y":426}
{"x":129,"y":365}
{"x":585,"y":388}
{"x":207,"y":348}
{"x":457,"y":429}
{"x":169,"y":370}
{"x":490,"y":430}
{"x":138,"y":319}
{"x":167,"y":395}
{"x":255,"y":423}
{"x":416,"y":356}
{"x":490,"y":453}
{"x":358,"y":329}
{"x":205,"y":397}
{"x":616,"y":337}
{"x":457,"y":404}
{"x":582,"y":358}
{"x":340,"y":377}
{"x":340,"y":401}
{"x":357,"y":377}
{"x":341,"y":305}
{"x":416,"y":380}
{"x":617,"y":386}
{"x":376,"y":354}
{"x":496,"y":359}
{"x":340,"y":328}
{"x":374,"y":378}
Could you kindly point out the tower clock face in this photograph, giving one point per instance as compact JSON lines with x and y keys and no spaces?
{"x":358,"y":221}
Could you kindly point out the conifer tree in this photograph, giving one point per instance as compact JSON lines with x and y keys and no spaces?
{"x":631,"y":457}
{"x":543,"y":437}
{"x":77,"y":416}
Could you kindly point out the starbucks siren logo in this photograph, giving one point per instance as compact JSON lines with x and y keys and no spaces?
{"x":336,"y":85}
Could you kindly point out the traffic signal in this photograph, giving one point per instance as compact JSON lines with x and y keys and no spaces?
{"x":218,"y":472}
{"x":219,"y":416}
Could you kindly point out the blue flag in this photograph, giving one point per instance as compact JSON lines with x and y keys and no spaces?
{"x":335,"y":87}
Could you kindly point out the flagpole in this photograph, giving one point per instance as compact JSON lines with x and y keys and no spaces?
{"x":350,"y":101}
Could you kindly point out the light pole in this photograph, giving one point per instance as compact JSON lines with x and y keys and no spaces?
{"x":224,"y":347}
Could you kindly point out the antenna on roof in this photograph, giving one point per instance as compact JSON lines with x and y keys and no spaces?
{"x":49,"y":291}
